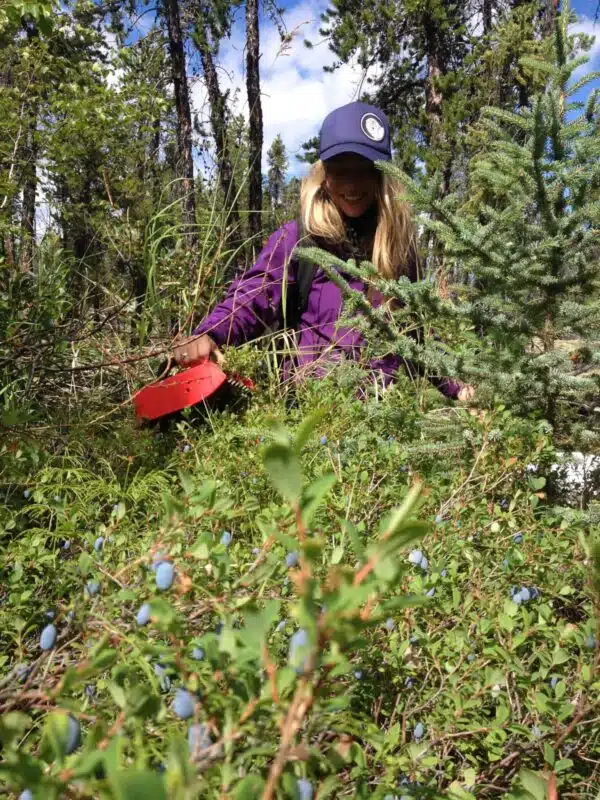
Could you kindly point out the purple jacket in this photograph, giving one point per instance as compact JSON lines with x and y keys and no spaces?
{"x":253,"y":303}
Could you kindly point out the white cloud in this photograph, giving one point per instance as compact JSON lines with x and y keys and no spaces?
{"x":296,"y":92}
{"x":587,"y":26}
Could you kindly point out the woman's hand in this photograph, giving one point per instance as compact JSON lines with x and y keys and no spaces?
{"x":466,"y":394}
{"x":195,"y":350}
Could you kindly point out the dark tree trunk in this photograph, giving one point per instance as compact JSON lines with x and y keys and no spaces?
{"x":29,"y":191}
{"x":154,"y":165}
{"x":184,"y":121}
{"x":219,"y":128}
{"x":7,"y":201}
{"x":255,"y":143}
{"x":548,"y":17}
{"x":435,"y":68}
{"x":486,"y":13}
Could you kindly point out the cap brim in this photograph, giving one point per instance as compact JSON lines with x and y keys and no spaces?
{"x":360,"y":149}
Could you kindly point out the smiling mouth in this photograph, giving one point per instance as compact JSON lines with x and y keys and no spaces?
{"x":352,"y":200}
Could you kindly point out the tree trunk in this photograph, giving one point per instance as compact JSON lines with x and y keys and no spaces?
{"x":486,"y":13}
{"x":548,"y":17}
{"x":255,"y":139}
{"x":30,"y":151}
{"x":184,"y":121}
{"x":219,"y":129}
{"x":433,"y":96}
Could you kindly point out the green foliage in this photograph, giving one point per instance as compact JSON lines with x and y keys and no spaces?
{"x":525,"y":241}
{"x":468,"y":662}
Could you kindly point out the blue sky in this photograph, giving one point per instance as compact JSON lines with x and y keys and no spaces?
{"x":296,"y":92}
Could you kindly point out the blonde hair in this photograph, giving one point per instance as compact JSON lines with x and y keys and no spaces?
{"x":394,"y":246}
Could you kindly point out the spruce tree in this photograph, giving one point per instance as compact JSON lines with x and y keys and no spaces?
{"x":527,"y":240}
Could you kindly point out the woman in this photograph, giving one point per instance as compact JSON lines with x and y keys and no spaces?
{"x":349,"y":208}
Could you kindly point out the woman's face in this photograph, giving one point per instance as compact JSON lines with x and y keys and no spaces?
{"x":351,"y":181}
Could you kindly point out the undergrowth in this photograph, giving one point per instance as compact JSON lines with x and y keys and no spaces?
{"x":411,"y":678}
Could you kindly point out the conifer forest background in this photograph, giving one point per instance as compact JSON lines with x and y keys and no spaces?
{"x":386,"y":595}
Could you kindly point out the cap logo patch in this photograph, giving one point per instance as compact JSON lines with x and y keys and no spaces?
{"x":372,"y":128}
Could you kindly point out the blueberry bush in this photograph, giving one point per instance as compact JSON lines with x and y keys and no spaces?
{"x":343,"y":599}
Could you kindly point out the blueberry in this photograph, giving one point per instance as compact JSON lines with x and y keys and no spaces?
{"x":504,"y":504}
{"x":218,"y":628}
{"x":419,"y":732}
{"x":553,"y":681}
{"x":187,"y":448}
{"x":358,"y":674}
{"x":256,"y":551}
{"x":471,"y":657}
{"x":158,"y":559}
{"x":590,"y":641}
{"x":424,"y":564}
{"x":144,"y":614}
{"x":71,"y":615}
{"x":415,"y":556}
{"x":164,"y":575}
{"x":26,"y":494}
{"x":390,"y":624}
{"x":305,"y":789}
{"x":280,"y":626}
{"x":536,"y":732}
{"x":183,"y":704}
{"x":73,"y":737}
{"x":323,"y":440}
{"x":408,"y":682}
{"x":48,"y":637}
{"x":66,"y":544}
{"x":525,"y":594}
{"x":535,"y":593}
{"x":99,"y":544}
{"x":226,"y":538}
{"x":444,"y":573}
{"x":163,"y":679}
{"x":26,"y":794}
{"x":518,"y":538}
{"x":92,"y":588}
{"x":505,"y":563}
{"x":517,"y":598}
{"x":90,"y":690}
{"x":197,"y":654}
{"x":414,"y":639}
{"x":291,"y":559}
{"x":439,"y":519}
{"x":198,"y":738}
{"x":22,"y":671}
{"x":430,"y":592}
{"x":298,"y":651}
{"x":50,"y":614}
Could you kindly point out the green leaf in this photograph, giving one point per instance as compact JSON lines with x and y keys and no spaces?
{"x":284,"y":470}
{"x":249,"y":788}
{"x":306,"y":428}
{"x":12,"y":726}
{"x":134,"y":785}
{"x":314,"y":494}
{"x":533,"y":783}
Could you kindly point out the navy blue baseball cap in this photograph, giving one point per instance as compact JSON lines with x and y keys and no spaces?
{"x":356,"y":128}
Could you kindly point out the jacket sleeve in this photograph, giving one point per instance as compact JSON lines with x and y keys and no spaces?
{"x":390,"y":365}
{"x":253,"y":301}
